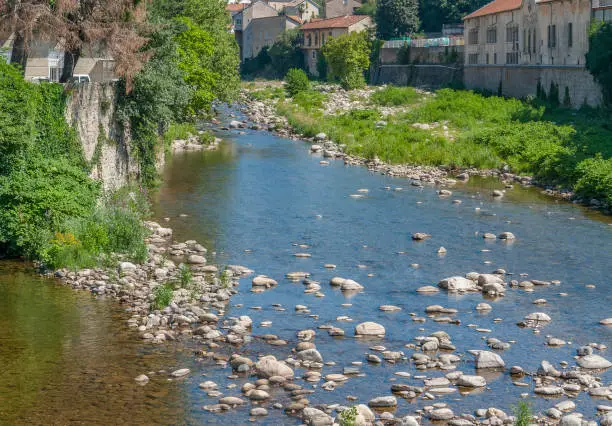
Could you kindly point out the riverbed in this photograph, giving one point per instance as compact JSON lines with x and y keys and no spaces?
{"x":259,"y":200}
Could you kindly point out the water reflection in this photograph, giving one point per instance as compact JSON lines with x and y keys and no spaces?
{"x":68,"y":358}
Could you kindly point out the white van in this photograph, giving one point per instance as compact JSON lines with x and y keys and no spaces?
{"x":80,"y":78}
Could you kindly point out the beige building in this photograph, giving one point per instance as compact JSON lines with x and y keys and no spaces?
{"x":45,"y":62}
{"x":263,"y":32}
{"x":336,"y":8}
{"x":316,"y":33}
{"x":305,"y":10}
{"x":517,"y":44}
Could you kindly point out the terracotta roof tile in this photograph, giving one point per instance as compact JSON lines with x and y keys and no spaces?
{"x":235,"y":7}
{"x":495,"y":6}
{"x":295,"y":18}
{"x":339,"y":22}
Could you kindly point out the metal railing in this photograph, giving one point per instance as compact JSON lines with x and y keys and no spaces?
{"x":424,"y":42}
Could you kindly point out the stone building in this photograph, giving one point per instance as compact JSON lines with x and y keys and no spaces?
{"x":305,"y":10}
{"x":336,"y":8}
{"x":317,"y":32}
{"x":517,"y":45}
{"x":263,"y":32}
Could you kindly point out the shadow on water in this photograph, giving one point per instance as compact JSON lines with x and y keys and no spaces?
{"x":68,"y":358}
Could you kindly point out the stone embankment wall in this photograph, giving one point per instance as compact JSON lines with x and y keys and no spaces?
{"x":426,"y":76}
{"x":91,"y":109}
{"x":521,"y":81}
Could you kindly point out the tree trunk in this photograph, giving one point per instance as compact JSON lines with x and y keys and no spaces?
{"x":70,"y":60}
{"x":19,"y":54}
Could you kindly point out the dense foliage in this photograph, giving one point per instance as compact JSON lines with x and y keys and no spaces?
{"x":278,"y":59}
{"x":435,"y":13}
{"x":599,"y":57}
{"x":296,"y":81}
{"x":348,"y":58}
{"x":396,"y":18}
{"x":194,"y":61}
{"x":483,"y":132}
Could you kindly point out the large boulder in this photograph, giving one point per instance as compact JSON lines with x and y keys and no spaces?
{"x":467,"y":381}
{"x":369,"y":329}
{"x":457,"y":284}
{"x":595,"y":362}
{"x":312,"y":355}
{"x":263,"y":281}
{"x":484,"y":279}
{"x":268,"y":366}
{"x":383,"y":402}
{"x":350,"y":285}
{"x":487,"y":359}
{"x":314,"y":417}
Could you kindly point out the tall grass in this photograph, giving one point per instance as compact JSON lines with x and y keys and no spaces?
{"x":395,"y":96}
{"x":484,"y":132}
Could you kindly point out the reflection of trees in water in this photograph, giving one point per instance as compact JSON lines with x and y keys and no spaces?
{"x":65,"y":358}
{"x":206,"y":178}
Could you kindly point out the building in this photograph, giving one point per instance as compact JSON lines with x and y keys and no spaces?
{"x":45,"y":61}
{"x":263,"y":32}
{"x":235,"y":11}
{"x":316,"y":33}
{"x":257,"y":10}
{"x":337,"y":8}
{"x":305,"y":10}
{"x":520,"y":45}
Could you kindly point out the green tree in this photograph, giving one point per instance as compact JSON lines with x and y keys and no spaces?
{"x":296,"y":81}
{"x":395,"y":18}
{"x":435,"y":13}
{"x":286,"y":52}
{"x":599,"y":57}
{"x":367,"y":8}
{"x":348,"y":57}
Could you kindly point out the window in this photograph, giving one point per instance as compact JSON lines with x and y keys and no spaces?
{"x":309,"y":39}
{"x":487,"y":59}
{"x":552,"y":36}
{"x":316,"y":39}
{"x":570,"y":35}
{"x":314,"y":54}
{"x":492,"y":35}
{"x":533,"y":34}
{"x":473,"y":36}
{"x":473,"y":58}
{"x":512,"y":32}
{"x":55,"y":74}
{"x":495,"y":58}
{"x":322,"y":39}
{"x":512,"y":57}
{"x":524,"y":41}
{"x":529,"y":41}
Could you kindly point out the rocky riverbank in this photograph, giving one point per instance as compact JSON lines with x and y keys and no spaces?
{"x":264,"y":115}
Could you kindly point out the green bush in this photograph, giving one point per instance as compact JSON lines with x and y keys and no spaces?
{"x":348,"y":58}
{"x":523,"y":414}
{"x":395,"y":96}
{"x":310,"y":100}
{"x":162,"y":296}
{"x":595,"y":179}
{"x":185,"y":275}
{"x":296,"y":81}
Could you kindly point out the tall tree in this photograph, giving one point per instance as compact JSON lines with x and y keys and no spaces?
{"x":396,"y":18}
{"x":110,"y":24}
{"x":435,"y":13}
{"x":599,"y":57}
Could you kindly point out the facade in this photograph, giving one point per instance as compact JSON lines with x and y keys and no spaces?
{"x":336,"y":8}
{"x":305,"y":10}
{"x":263,"y":32}
{"x":45,"y":61}
{"x":255,"y":11}
{"x":316,"y":33}
{"x":517,"y":45}
{"x":235,"y":11}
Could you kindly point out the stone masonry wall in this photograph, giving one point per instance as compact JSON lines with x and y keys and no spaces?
{"x":522,"y":81}
{"x":426,"y":76}
{"x":91,"y":110}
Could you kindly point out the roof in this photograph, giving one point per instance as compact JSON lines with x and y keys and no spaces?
{"x":235,"y":7}
{"x":496,"y":6}
{"x":339,"y":22}
{"x":295,"y":18}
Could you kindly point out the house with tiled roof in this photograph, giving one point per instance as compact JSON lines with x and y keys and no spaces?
{"x":318,"y":31}
{"x":305,"y":10}
{"x":516,"y":46}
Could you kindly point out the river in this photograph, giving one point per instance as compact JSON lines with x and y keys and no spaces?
{"x":253,"y":202}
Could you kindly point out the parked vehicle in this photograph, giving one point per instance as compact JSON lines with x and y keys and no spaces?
{"x":80,"y":78}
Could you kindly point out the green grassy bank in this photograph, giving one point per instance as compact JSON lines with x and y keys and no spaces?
{"x":565,"y":148}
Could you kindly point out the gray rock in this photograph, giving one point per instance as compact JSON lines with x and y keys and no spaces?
{"x":196,"y":259}
{"x":595,"y":362}
{"x":369,"y":329}
{"x":180,"y":373}
{"x":383,"y":401}
{"x":441,"y":414}
{"x":314,"y":417}
{"x":310,"y":355}
{"x":268,"y":366}
{"x":409,"y":421}
{"x":457,"y":284}
{"x":471,"y":381}
{"x":571,"y":420}
{"x":486,"y":359}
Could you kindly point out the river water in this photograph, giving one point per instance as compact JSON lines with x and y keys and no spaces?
{"x":68,"y":358}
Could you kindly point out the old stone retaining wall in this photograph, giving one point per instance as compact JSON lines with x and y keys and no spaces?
{"x":521,"y":81}
{"x":91,"y":110}
{"x":427,"y":76}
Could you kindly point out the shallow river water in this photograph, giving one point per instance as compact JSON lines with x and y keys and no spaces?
{"x":68,"y":358}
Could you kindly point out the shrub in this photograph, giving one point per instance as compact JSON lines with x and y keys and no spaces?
{"x":395,"y":96}
{"x":296,"y":81}
{"x":523,"y":414}
{"x":348,"y":57}
{"x":185,"y":275}
{"x":598,"y":57}
{"x":595,"y":179}
{"x":162,"y":296}
{"x":310,"y":100}
{"x":348,"y":416}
